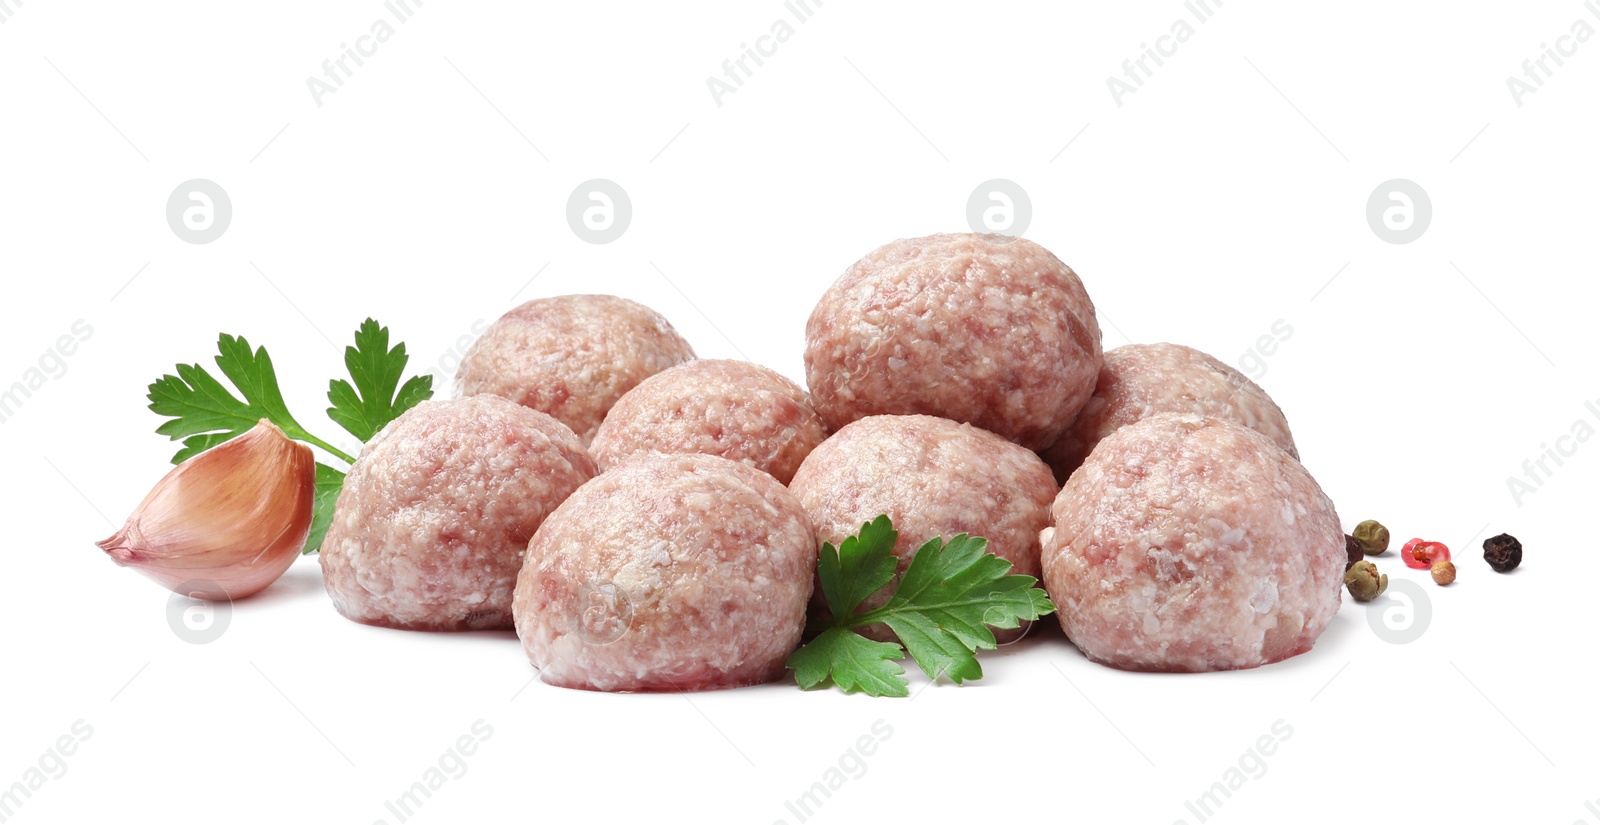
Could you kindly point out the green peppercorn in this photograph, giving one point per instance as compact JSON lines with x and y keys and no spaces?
{"x":1373,"y":536}
{"x":1352,"y":551}
{"x":1364,"y":581}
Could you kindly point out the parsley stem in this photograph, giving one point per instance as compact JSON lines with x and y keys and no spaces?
{"x":331,"y":450}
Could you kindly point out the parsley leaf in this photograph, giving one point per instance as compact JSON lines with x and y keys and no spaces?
{"x":852,"y":661}
{"x":950,"y":596}
{"x":942,"y":609}
{"x":204,"y":413}
{"x":862,"y":565}
{"x":364,"y":409}
{"x":329,"y":483}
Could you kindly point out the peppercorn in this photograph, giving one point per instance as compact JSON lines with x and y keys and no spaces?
{"x":1502,"y":552}
{"x":1352,"y":551}
{"x":1444,"y":572}
{"x":1374,"y":537}
{"x":1419,"y":554}
{"x":1364,"y":581}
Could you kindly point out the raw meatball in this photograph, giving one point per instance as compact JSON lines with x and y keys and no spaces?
{"x":1140,"y":380}
{"x":668,"y":572}
{"x":1186,"y":543}
{"x":734,"y":409}
{"x":934,"y":478}
{"x":429,"y":531}
{"x":571,"y":356}
{"x":986,"y":329}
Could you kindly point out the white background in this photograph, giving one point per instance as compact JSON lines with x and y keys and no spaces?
{"x":1221,"y":197}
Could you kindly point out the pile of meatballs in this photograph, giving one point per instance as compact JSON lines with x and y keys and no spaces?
{"x":646,"y":520}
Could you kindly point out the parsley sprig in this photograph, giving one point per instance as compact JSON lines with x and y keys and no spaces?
{"x":951,"y":594}
{"x":203,"y":412}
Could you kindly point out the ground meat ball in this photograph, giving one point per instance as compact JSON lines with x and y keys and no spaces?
{"x":734,"y":409}
{"x":932,"y":477}
{"x":1186,"y":543}
{"x":668,"y":572}
{"x":1140,"y":380}
{"x":429,"y":531}
{"x":986,"y":329}
{"x":571,"y":356}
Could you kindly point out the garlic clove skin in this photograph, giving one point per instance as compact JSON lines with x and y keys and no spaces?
{"x":225,"y":523}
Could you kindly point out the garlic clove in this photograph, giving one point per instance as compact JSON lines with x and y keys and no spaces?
{"x":227,"y":522}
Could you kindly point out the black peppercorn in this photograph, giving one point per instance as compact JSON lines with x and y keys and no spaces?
{"x":1352,"y":551}
{"x":1502,"y":552}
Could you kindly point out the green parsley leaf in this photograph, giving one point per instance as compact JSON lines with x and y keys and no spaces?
{"x":942,"y":610}
{"x":204,"y":413}
{"x":374,"y":401}
{"x":329,"y":483}
{"x":950,"y":595}
{"x":852,"y":661}
{"x":862,"y":565}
